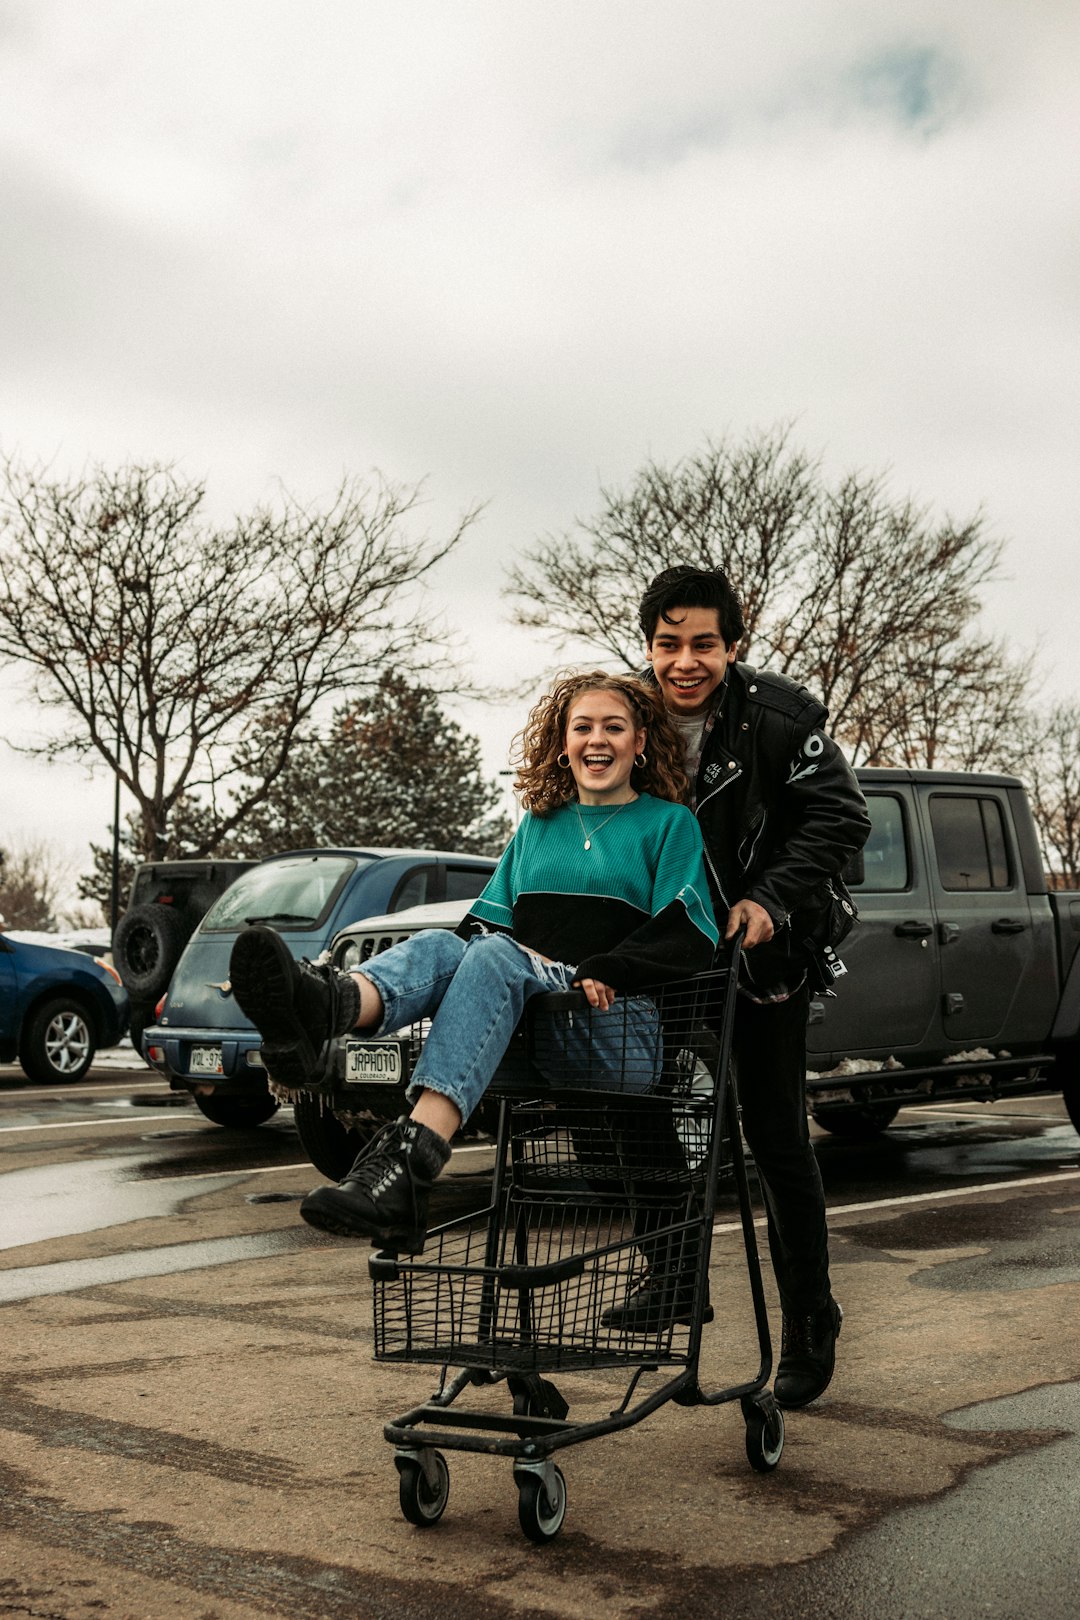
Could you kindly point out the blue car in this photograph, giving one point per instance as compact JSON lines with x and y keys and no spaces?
{"x":199,"y":1039}
{"x":57,"y":1007}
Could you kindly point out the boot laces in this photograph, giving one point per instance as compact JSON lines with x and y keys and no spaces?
{"x":811,"y":1333}
{"x":387,"y":1157}
{"x":798,"y":1336}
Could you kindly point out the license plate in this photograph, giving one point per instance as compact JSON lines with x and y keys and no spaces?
{"x":205,"y":1060}
{"x":375,"y":1063}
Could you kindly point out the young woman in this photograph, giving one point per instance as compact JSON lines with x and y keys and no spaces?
{"x":603,"y":887}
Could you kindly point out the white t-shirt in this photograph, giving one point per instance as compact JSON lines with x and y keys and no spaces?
{"x":691,"y":729}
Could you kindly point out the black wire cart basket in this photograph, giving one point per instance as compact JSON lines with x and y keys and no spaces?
{"x":593,"y":1251}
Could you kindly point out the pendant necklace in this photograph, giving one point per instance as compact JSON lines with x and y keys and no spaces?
{"x":589,"y":836}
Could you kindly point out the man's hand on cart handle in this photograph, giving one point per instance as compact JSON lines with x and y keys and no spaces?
{"x":755,"y":919}
{"x":597,"y":994}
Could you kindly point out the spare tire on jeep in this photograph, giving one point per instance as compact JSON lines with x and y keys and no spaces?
{"x":169,"y":899}
{"x":148,"y":943}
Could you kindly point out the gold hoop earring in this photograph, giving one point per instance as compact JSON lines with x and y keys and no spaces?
{"x":563,"y":761}
{"x":641,"y":760}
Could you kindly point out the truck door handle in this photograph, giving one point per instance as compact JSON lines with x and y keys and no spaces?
{"x":913,"y":930}
{"x":1007,"y":925}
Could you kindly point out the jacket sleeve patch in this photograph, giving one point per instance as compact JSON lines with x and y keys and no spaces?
{"x":805,"y":761}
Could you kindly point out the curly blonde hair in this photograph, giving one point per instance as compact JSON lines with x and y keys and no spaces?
{"x":543,"y":784}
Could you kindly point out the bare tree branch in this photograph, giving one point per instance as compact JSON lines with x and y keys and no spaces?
{"x":1049,"y":759}
{"x":165,"y":645}
{"x":33,"y":880}
{"x":867,"y":600}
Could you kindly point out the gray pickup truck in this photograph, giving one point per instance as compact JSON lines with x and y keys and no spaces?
{"x":963,"y":975}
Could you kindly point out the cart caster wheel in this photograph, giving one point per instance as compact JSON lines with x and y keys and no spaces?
{"x":764,"y":1436}
{"x":423,"y":1500}
{"x":541,"y":1514}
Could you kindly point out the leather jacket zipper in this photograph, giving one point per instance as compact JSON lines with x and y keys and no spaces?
{"x":732,"y":776}
{"x":727,"y":781}
{"x":749,"y":860}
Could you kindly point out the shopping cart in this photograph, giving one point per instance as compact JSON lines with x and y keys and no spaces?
{"x":592,"y":1253}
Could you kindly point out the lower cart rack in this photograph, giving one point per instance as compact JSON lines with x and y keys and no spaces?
{"x":592,"y":1254}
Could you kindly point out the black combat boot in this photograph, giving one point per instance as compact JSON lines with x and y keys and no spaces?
{"x":665,"y":1299}
{"x":295,"y":1006}
{"x":384,"y":1197}
{"x":807,"y":1355}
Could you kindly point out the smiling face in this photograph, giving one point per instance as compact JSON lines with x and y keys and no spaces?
{"x":689,"y":658}
{"x":601,"y":740}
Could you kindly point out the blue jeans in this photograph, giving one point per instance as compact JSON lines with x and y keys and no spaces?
{"x":475,"y":992}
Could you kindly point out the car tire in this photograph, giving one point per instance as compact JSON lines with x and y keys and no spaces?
{"x":330,"y":1145}
{"x":859,"y":1123}
{"x":1067,"y":1069}
{"x":237,"y":1113}
{"x":140,"y":1018}
{"x":58,"y":1041}
{"x":148,"y":943}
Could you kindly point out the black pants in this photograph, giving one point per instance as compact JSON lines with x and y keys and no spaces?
{"x":770,"y":1064}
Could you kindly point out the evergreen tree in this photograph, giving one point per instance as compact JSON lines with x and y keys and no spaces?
{"x":391,"y":769}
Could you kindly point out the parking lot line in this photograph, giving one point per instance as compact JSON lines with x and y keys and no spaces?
{"x":69,"y":1091}
{"x":215,"y":1175}
{"x":837,"y":1211}
{"x":81,"y":1124}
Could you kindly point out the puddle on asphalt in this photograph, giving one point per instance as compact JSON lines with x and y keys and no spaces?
{"x":1024,"y":1245}
{"x":51,"y":1201}
{"x":941,"y":1155}
{"x":32,"y":1282}
{"x":164,"y":1099}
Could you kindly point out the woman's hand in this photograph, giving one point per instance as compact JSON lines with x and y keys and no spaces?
{"x":597,"y":994}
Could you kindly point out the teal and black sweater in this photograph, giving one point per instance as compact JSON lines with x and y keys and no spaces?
{"x":631,"y":911}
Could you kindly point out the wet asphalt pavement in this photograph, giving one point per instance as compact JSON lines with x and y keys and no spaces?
{"x":192,"y":1419}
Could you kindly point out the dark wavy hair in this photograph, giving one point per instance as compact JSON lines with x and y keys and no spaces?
{"x":543,"y":784}
{"x":686,"y":587}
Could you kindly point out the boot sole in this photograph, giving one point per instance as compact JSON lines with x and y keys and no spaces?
{"x":342,"y":1224}
{"x":262,"y":973}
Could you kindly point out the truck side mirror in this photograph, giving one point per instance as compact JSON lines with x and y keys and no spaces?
{"x":854,"y":872}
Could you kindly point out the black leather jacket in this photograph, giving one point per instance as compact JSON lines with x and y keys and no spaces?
{"x":781,"y":814}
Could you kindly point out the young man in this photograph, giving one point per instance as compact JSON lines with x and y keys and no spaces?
{"x":781,"y":814}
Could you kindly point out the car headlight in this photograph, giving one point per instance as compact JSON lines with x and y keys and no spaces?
{"x":350,"y":957}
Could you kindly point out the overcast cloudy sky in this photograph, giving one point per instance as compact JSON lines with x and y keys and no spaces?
{"x":515,"y":248}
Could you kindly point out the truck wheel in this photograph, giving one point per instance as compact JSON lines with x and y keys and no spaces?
{"x":1067,"y":1068}
{"x":58,"y":1041}
{"x":139,"y":1021}
{"x":148,"y":943}
{"x":858,"y":1124}
{"x":330,"y":1145}
{"x":237,"y":1113}
{"x":1071,"y":1093}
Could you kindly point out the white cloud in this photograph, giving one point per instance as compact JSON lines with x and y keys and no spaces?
{"x":519,"y":248}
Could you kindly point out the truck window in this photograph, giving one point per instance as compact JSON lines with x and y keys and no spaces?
{"x":969,"y":840}
{"x":885,"y":857}
{"x":465,"y":882}
{"x":413,"y":890}
{"x":291,"y":892}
